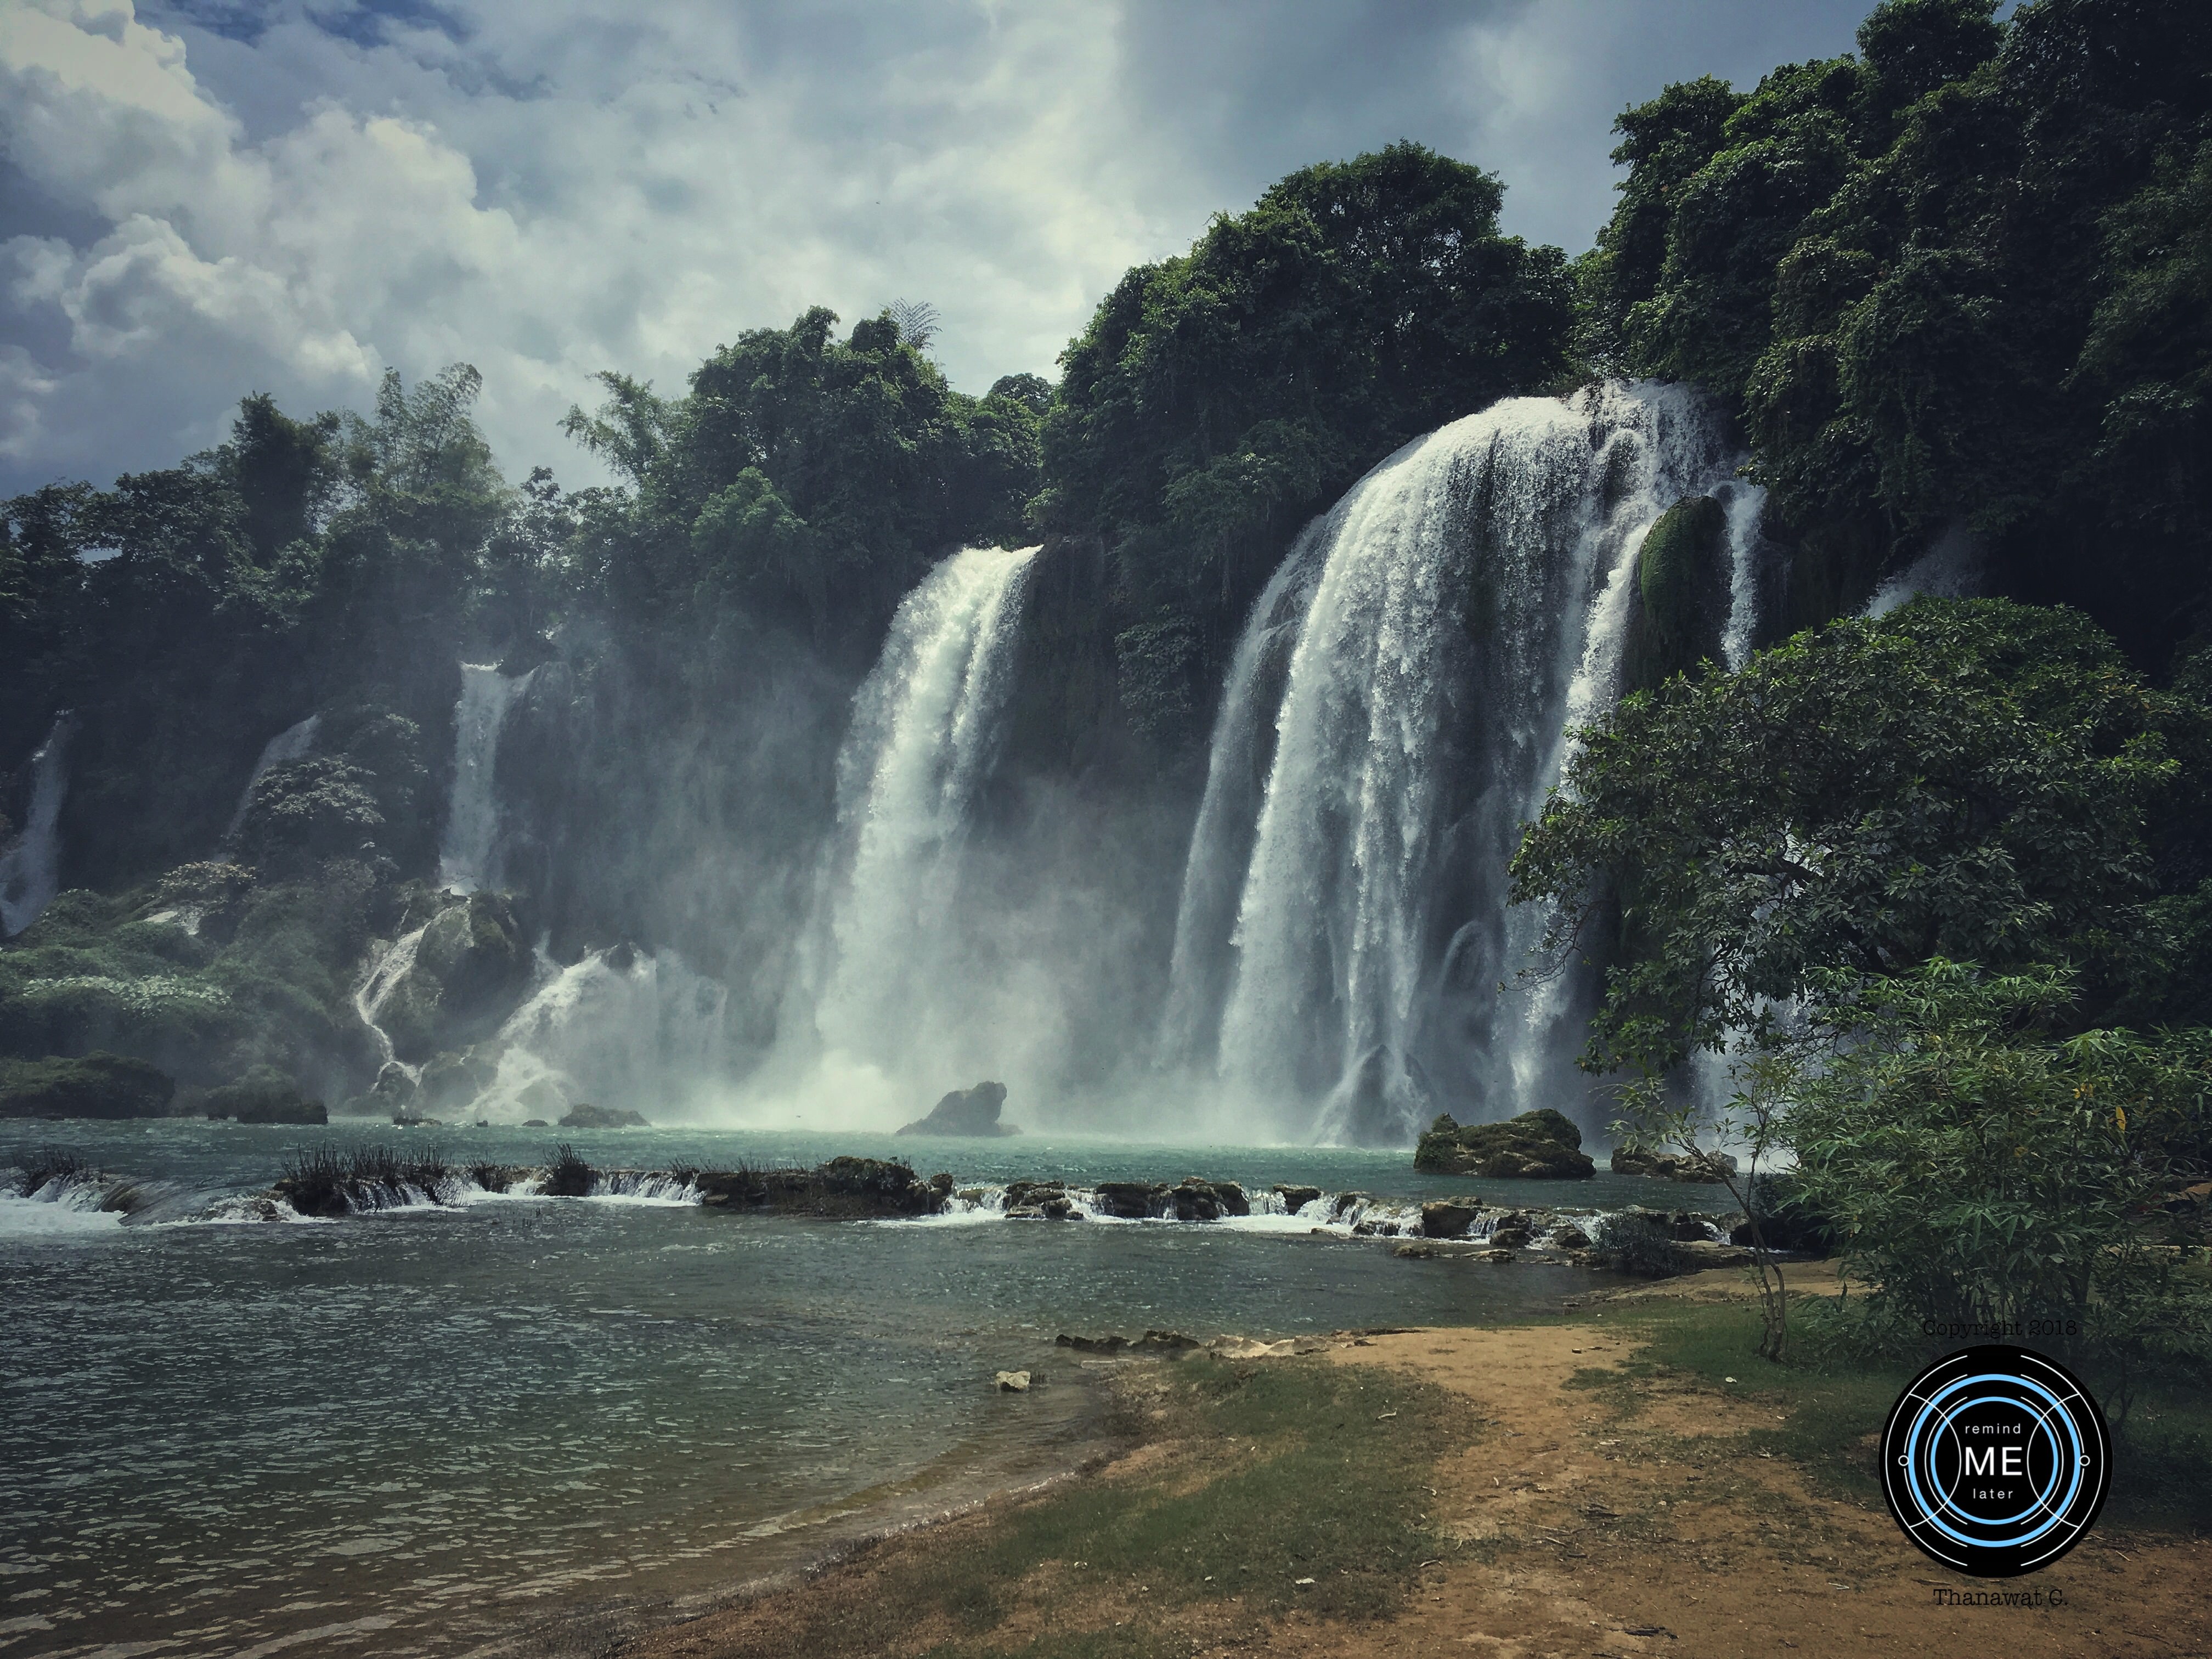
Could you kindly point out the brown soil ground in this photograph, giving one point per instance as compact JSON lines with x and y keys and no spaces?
{"x":1587,"y":1521}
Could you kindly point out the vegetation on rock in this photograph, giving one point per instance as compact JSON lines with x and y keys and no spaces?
{"x":1539,"y":1145}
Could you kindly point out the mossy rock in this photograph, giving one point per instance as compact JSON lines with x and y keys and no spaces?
{"x":95,"y":1086}
{"x":263,"y":1095}
{"x":1679,"y":603}
{"x":1539,"y":1145}
{"x":470,"y":966}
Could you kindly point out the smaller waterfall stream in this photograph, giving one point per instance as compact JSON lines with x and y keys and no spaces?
{"x":885,"y":977}
{"x":467,"y":852}
{"x":30,"y":871}
{"x":293,"y":742}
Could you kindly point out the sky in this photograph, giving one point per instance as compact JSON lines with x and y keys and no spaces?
{"x":201,"y":198}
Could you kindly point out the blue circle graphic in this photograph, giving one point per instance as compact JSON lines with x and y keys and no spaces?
{"x":1995,"y":1461}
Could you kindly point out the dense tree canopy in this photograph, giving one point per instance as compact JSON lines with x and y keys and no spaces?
{"x":1971,"y":779}
{"x":1218,"y":399}
{"x":807,"y":479}
{"x":1957,"y":280}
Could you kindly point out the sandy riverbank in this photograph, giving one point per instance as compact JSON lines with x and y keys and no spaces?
{"x":1583,"y":1506}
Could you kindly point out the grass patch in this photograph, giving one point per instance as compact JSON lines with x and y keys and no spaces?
{"x":1822,"y":1411}
{"x":1282,"y":1470}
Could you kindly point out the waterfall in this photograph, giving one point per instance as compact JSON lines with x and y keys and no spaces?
{"x":293,"y":743}
{"x":375,"y":990}
{"x":925,"y":731}
{"x":466,"y":852}
{"x":1463,"y":608}
{"x":30,"y":871}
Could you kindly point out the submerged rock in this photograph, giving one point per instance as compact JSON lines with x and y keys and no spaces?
{"x":1538,"y":1146}
{"x":1705,"y":1168}
{"x":966,"y":1112}
{"x":587,"y":1116}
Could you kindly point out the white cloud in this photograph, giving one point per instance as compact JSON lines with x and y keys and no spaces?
{"x":204,"y":202}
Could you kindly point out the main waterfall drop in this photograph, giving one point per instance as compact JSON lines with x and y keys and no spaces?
{"x":925,"y":731}
{"x":1424,"y":652}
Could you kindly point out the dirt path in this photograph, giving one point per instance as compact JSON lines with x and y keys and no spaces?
{"x":1597,"y":1514}
{"x":1587,"y":1531}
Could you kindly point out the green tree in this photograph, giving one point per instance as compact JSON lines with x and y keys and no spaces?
{"x":1218,"y":398}
{"x":1953,"y":281}
{"x":1972,"y":778}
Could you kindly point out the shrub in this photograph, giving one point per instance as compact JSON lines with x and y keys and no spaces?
{"x":567,"y":1175}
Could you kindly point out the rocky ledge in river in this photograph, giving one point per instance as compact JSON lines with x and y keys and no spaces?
{"x":969,"y":1112}
{"x":1538,"y":1146}
{"x":844,"y":1189}
{"x":1705,"y":1169}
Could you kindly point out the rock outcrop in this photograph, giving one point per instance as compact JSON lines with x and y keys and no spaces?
{"x":263,"y":1095}
{"x":1705,"y":1168}
{"x":973,"y":1112}
{"x":603,"y":1117}
{"x":1538,"y":1146}
{"x":844,"y":1189}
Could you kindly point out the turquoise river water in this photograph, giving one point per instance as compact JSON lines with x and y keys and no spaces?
{"x":423,"y":1430}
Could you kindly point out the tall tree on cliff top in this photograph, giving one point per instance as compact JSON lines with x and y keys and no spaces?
{"x":1218,"y":398}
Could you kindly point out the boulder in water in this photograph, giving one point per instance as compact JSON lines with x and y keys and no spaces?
{"x":96,"y":1085}
{"x":966,"y":1112}
{"x":587,"y":1116}
{"x":1538,"y":1146}
{"x":1705,"y":1168}
{"x":1013,"y":1382}
{"x":1297,"y":1198}
{"x":1445,"y":1219}
{"x":263,"y":1095}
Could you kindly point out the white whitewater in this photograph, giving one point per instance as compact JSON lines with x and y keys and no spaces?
{"x":375,"y":989}
{"x":1468,"y":603}
{"x":30,"y":871}
{"x":925,"y":731}
{"x":621,"y":1028}
{"x":294,"y":742}
{"x":466,"y":852}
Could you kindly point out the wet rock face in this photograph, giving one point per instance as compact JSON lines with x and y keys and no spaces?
{"x":470,"y":968}
{"x":1538,"y":1145}
{"x":1445,"y":1219}
{"x":966,"y":1112}
{"x":843,"y":1188}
